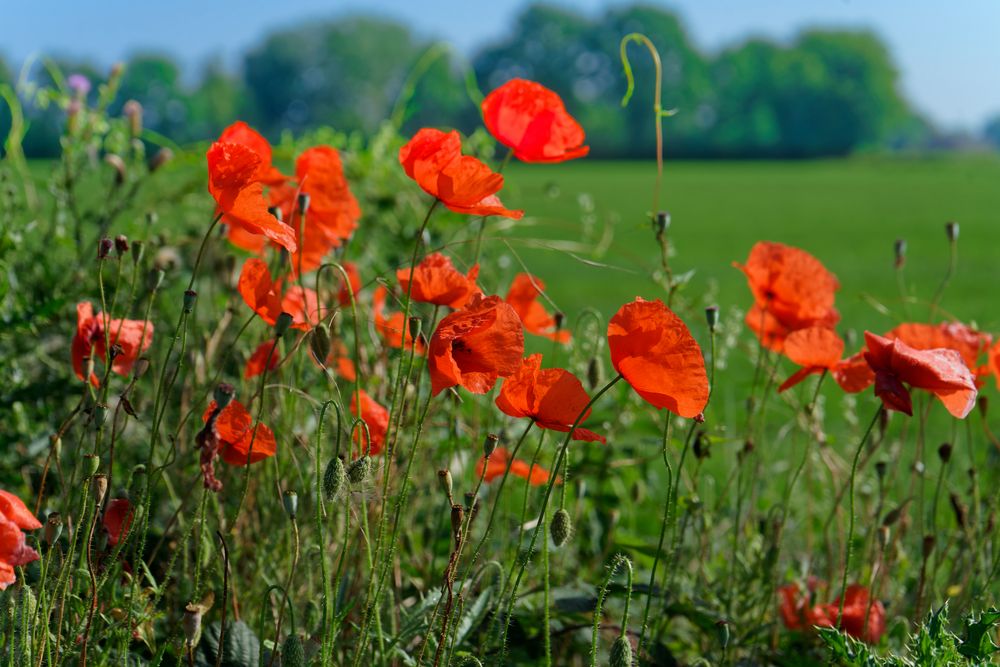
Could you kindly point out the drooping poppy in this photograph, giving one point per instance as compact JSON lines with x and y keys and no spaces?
{"x":133,"y":337}
{"x":14,"y":550}
{"x":792,"y":290}
{"x":377,"y":419}
{"x":965,"y":340}
{"x":532,"y":120}
{"x":264,"y":297}
{"x":941,"y":372}
{"x":259,"y":359}
{"x":391,"y":328}
{"x":496,"y":465}
{"x":523,"y":297}
{"x":117,"y":519}
{"x":475,"y":346}
{"x":437,"y":281}
{"x":655,"y":352}
{"x":463,"y":183}
{"x":233,"y":180}
{"x":552,"y":397}
{"x":234,"y":428}
{"x":800,"y":614}
{"x":815,"y":349}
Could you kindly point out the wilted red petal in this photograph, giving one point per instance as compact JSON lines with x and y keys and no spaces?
{"x":259,"y":358}
{"x":117,"y":519}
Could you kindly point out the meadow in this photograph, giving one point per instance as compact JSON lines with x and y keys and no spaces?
{"x":305,"y":450}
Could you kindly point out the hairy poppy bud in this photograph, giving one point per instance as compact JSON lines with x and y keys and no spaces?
{"x":281,"y":326}
{"x":223,"y":394}
{"x":100,"y":415}
{"x":457,"y":516}
{"x":104,"y":247}
{"x":290,"y":501}
{"x":138,"y":485}
{"x":661,"y":222}
{"x":53,"y":528}
{"x":138,"y":249}
{"x":319,"y":342}
{"x":561,"y":528}
{"x":303,"y":203}
{"x":959,"y":509}
{"x":722,"y":632}
{"x":467,"y":661}
{"x":444,"y":479}
{"x":115,"y":351}
{"x":276,"y":212}
{"x":702,"y":445}
{"x":334,"y":478}
{"x":189,"y":298}
{"x":595,"y":373}
{"x":490,"y":443}
{"x":292,"y":652}
{"x":928,"y":545}
{"x":559,"y":318}
{"x":133,"y":112}
{"x":192,"y":623}
{"x":118,"y":164}
{"x":141,"y":367}
{"x":951,"y":230}
{"x":712,"y":317}
{"x":121,"y":244}
{"x":899,"y":250}
{"x":621,"y":652}
{"x":359,"y":469}
{"x":99,"y":487}
{"x":883,"y":534}
{"x":415,"y":325}
{"x":163,"y":156}
{"x":880,"y":469}
{"x":944,"y":452}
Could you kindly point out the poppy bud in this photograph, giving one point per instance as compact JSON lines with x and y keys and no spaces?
{"x":944,"y":452}
{"x":712,"y":317}
{"x":561,"y":528}
{"x":303,"y":203}
{"x":133,"y":112}
{"x":457,"y":516}
{"x":138,"y":485}
{"x":959,"y":509}
{"x":334,"y":478}
{"x":118,"y":164}
{"x":53,"y":528}
{"x":444,"y":479}
{"x":883,"y":537}
{"x":155,"y":278}
{"x":189,"y":298}
{"x":151,"y":218}
{"x":192,"y":623}
{"x":121,"y":244}
{"x":893,"y":515}
{"x":928,"y":545}
{"x":490,"y":444}
{"x":281,"y":326}
{"x":290,"y":501}
{"x":163,"y":156}
{"x":140,"y":368}
{"x":100,"y":415}
{"x":661,"y":222}
{"x":104,"y":247}
{"x":359,"y":469}
{"x":115,"y":351}
{"x":899,"y":249}
{"x":595,"y":373}
{"x":138,"y":249}
{"x":621,"y":652}
{"x":276,"y":212}
{"x":702,"y":446}
{"x":99,"y":487}
{"x":116,"y":72}
{"x":722,"y":632}
{"x":292,"y":653}
{"x":951,"y":230}
{"x":558,"y":317}
{"x":468,"y":661}
{"x":91,"y":463}
{"x":416,"y":324}
{"x":880,"y":469}
{"x":319,"y":342}
{"x":73,"y":116}
{"x":223,"y":394}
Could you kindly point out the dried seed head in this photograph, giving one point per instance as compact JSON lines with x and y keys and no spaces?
{"x":561,"y":528}
{"x":944,"y":452}
{"x":190,"y":296}
{"x":457,"y":516}
{"x":223,"y":394}
{"x":319,"y":342}
{"x":290,"y":501}
{"x":899,"y":250}
{"x":140,"y":367}
{"x":334,"y":478}
{"x":490,"y":443}
{"x":444,"y":479}
{"x":621,"y":652}
{"x":99,"y":487}
{"x":359,"y":469}
{"x":121,"y":245}
{"x":712,"y":317}
{"x":53,"y":528}
{"x":951,"y":231}
{"x":282,"y":325}
{"x":104,"y":247}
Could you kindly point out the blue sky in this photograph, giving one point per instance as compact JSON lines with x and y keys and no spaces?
{"x":948,"y":53}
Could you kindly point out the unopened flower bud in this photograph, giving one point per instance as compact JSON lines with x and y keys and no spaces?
{"x":100,"y":415}
{"x":303,"y":203}
{"x":661,"y":222}
{"x":121,"y":244}
{"x":621,"y":652}
{"x":53,"y":528}
{"x":292,"y":652}
{"x":712,"y":317}
{"x":104,"y":247}
{"x":722,"y":632}
{"x":880,"y":469}
{"x":359,"y":469}
{"x":118,"y":164}
{"x":192,"y":623}
{"x":151,"y":218}
{"x":163,"y":156}
{"x":115,"y":351}
{"x":490,"y":443}
{"x":884,"y":533}
{"x":928,"y":545}
{"x":334,"y":478}
{"x":415,"y":325}
{"x":133,"y":112}
{"x":282,"y":325}
{"x":140,"y":367}
{"x":99,"y":487}
{"x":899,"y":250}
{"x":457,"y":516}
{"x":223,"y":394}
{"x":561,"y":528}
{"x":595,"y":372}
{"x":951,"y":230}
{"x":702,"y":447}
{"x":319,"y":342}
{"x":444,"y":479}
{"x":138,"y":486}
{"x":190,"y":296}
{"x":944,"y":452}
{"x":559,"y":318}
{"x":290,"y":501}
{"x":138,"y":249}
{"x":276,"y":212}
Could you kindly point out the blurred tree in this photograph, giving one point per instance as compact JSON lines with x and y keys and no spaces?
{"x":991,"y":131}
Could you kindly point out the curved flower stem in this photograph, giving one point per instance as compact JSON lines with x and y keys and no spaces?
{"x":663,"y":531}
{"x":320,"y":513}
{"x":949,"y":272}
{"x":619,"y":561}
{"x":545,"y":505}
{"x":850,"y":529}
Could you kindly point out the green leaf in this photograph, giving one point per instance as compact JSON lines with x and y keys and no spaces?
{"x":978,"y":643}
{"x":240,"y":646}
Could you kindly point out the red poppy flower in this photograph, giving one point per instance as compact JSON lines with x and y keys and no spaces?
{"x":461,"y":182}
{"x":341,"y":360}
{"x":117,"y":519}
{"x":133,"y":336}
{"x":552,"y":397}
{"x":968,"y":342}
{"x":233,"y":180}
{"x":532,"y":120}
{"x":264,"y":297}
{"x":655,"y":352}
{"x":377,"y":419}
{"x":260,"y":356}
{"x":792,"y":290}
{"x":800,"y":614}
{"x":14,"y":550}
{"x":993,"y":361}
{"x":496,"y":465}
{"x":345,"y":292}
{"x":814,"y":349}
{"x":391,"y":328}
{"x":437,"y":281}
{"x":523,"y":296}
{"x":474,"y":346}
{"x":234,"y":429}
{"x":941,"y":372}
{"x":241,"y":133}
{"x":853,"y":374}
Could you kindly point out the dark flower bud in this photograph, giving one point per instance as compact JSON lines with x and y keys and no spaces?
{"x":53,"y":528}
{"x":894,"y":514}
{"x":444,"y":479}
{"x":121,"y":244}
{"x":276,"y":212}
{"x":319,"y":342}
{"x":490,"y":443}
{"x":928,"y":545}
{"x":951,"y":230}
{"x":189,"y":298}
{"x":712,"y":317}
{"x":115,"y":351}
{"x":415,"y":326}
{"x":334,"y":478}
{"x":118,"y":164}
{"x":561,"y":528}
{"x":223,"y":394}
{"x":138,"y":249}
{"x":133,"y":112}
{"x":303,"y":203}
{"x":457,"y":516}
{"x":151,"y":218}
{"x":880,"y":469}
{"x":282,"y":325}
{"x":944,"y":452}
{"x":290,"y":501}
{"x":163,"y":156}
{"x":595,"y":373}
{"x":140,"y":367}
{"x":359,"y":469}
{"x":983,"y":403}
{"x":559,"y":318}
{"x":702,"y":445}
{"x":883,"y":536}
{"x":661,"y":222}
{"x":722,"y":632}
{"x":899,"y":250}
{"x":99,"y":487}
{"x":621,"y":652}
{"x":104,"y":247}
{"x":959,"y":509}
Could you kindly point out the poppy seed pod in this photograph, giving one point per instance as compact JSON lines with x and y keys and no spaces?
{"x":104,"y":247}
{"x":192,"y":623}
{"x":91,"y":463}
{"x":121,"y":244}
{"x":141,"y":367}
{"x":282,"y":324}
{"x":490,"y":443}
{"x":621,"y":652}
{"x":334,"y":478}
{"x":223,"y":395}
{"x":303,"y":203}
{"x":53,"y":528}
{"x":359,"y":469}
{"x":99,"y":487}
{"x":190,"y":296}
{"x":415,"y":324}
{"x":290,"y":501}
{"x":944,"y":452}
{"x":319,"y":342}
{"x":292,"y":652}
{"x":444,"y":479}
{"x":163,"y":156}
{"x":561,"y":528}
{"x":100,"y":415}
{"x":951,"y":230}
{"x":712,"y":317}
{"x":138,"y":485}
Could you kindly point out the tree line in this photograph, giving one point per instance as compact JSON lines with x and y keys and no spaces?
{"x":826,"y":93}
